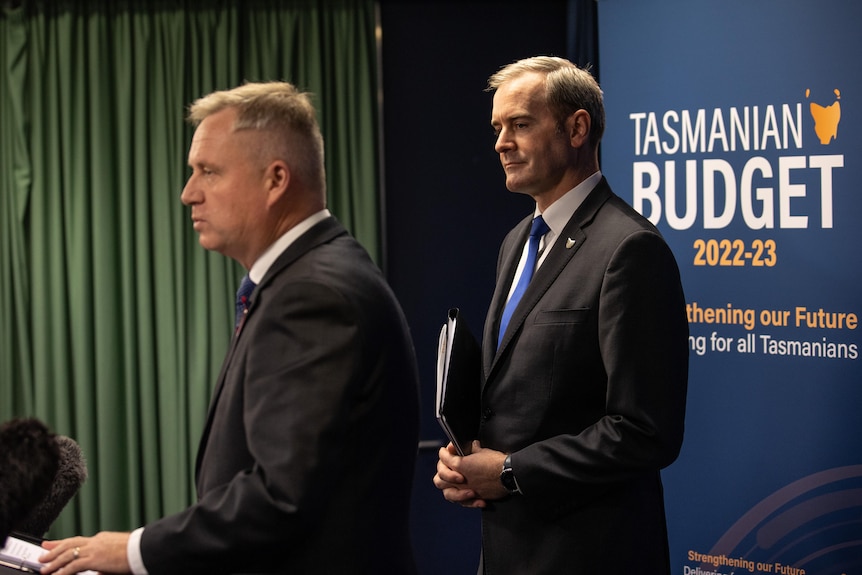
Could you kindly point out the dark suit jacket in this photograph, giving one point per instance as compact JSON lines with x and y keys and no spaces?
{"x":307,"y":458}
{"x":587,"y":392}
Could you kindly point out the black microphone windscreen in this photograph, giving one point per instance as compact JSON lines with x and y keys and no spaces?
{"x":29,"y":460}
{"x":71,"y":474}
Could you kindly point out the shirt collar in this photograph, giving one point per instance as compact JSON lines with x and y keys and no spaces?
{"x":558,"y":214}
{"x":263,"y":263}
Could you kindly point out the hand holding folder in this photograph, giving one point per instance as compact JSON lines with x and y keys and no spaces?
{"x":459,"y":383}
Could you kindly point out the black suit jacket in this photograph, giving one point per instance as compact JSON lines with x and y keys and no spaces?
{"x":587,"y":392}
{"x":307,"y":458}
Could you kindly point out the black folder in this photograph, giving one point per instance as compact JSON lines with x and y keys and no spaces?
{"x":459,"y":382}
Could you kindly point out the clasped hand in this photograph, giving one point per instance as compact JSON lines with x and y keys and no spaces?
{"x":470,"y":480}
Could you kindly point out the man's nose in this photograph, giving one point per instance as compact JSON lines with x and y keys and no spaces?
{"x":503,"y":143}
{"x":190,"y":195}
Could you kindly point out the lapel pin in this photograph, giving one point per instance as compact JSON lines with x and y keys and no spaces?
{"x":569,"y":243}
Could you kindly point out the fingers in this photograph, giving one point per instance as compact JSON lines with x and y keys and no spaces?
{"x":455,"y":495}
{"x":448,"y":455}
{"x":464,"y":498}
{"x":63,"y":556}
{"x":447,"y":474}
{"x":453,"y":483}
{"x":59,"y":546}
{"x":104,"y":552}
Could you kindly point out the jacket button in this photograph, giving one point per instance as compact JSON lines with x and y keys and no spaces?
{"x":487,"y":413}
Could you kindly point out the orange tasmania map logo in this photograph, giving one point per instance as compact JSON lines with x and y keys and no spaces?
{"x":826,"y":118}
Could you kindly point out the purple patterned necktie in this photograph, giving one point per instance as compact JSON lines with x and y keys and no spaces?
{"x":246,"y":286}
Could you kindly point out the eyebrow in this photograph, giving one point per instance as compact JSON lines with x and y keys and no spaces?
{"x":513,"y":118}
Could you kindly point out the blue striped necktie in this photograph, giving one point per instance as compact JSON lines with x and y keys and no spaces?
{"x":537,"y":230}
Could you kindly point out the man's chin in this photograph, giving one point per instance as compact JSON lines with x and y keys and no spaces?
{"x":516,"y":188}
{"x":208,"y":243}
{"x":516,"y":184}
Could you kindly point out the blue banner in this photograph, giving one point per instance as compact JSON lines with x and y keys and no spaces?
{"x":734,"y":125}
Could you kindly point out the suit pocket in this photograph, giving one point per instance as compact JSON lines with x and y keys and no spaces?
{"x":577,"y":315}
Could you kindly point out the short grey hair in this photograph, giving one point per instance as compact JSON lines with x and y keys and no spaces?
{"x":282,"y":111}
{"x":568,"y":89}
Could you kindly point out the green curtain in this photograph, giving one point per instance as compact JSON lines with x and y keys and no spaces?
{"x":115,"y":320}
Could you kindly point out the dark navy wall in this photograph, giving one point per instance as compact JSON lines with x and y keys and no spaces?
{"x":447,"y":207}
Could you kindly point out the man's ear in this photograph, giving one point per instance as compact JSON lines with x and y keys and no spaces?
{"x":277,"y":180}
{"x":578,"y":127}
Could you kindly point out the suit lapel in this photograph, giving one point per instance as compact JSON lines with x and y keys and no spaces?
{"x":564,"y":249}
{"x":213,"y":402}
{"x":321,"y":232}
{"x":511,"y":254}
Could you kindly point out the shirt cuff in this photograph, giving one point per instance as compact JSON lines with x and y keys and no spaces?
{"x":133,"y":553}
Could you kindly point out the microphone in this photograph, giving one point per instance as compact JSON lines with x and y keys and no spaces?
{"x":71,"y":474}
{"x":29,"y":460}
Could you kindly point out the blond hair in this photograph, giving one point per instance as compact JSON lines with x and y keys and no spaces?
{"x":283,"y":114}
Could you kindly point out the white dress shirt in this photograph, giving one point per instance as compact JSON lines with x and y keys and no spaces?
{"x":557,"y":215}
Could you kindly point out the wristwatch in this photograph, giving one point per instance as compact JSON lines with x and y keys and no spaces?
{"x":507,"y":477}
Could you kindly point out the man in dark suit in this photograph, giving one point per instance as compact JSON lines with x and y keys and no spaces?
{"x":584,"y":389}
{"x":306,"y":460}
